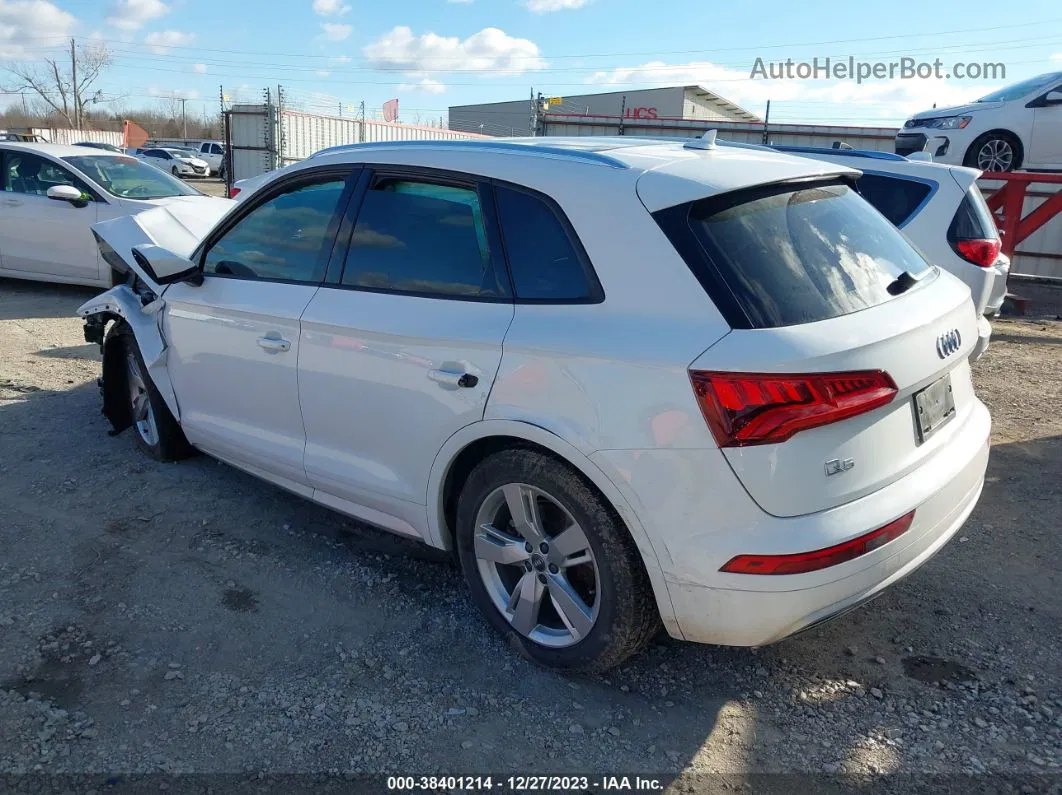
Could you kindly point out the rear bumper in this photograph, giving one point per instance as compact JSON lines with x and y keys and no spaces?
{"x":999,"y":286}
{"x":695,"y":530}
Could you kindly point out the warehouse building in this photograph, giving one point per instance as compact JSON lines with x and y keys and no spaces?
{"x":516,"y":117}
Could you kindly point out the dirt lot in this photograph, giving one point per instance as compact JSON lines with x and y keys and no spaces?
{"x":188,"y":618}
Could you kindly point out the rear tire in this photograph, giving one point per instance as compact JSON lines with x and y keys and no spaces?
{"x":155,"y":429}
{"x":568,"y":590}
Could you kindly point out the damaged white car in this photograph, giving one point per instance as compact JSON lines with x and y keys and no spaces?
{"x":627,"y":383}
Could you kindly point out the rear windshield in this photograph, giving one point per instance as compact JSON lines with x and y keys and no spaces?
{"x":790,"y":254}
{"x":894,"y":197}
{"x":973,"y":220}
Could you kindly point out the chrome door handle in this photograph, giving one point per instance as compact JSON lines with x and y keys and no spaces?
{"x":446,"y":378}
{"x":274,"y":344}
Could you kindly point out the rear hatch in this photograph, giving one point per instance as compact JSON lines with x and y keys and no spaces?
{"x":846,"y":368}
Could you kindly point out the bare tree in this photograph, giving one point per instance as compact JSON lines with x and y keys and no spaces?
{"x":53,"y":81}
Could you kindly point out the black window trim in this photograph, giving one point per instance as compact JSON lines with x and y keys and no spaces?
{"x":349,"y":172}
{"x":374,"y":172}
{"x":596,"y":293}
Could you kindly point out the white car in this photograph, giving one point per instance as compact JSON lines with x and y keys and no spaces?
{"x":1019,"y":126}
{"x":52,"y":196}
{"x":941,"y":209}
{"x":626,"y":383}
{"x":179,"y":162}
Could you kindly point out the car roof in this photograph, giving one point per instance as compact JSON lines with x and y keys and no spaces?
{"x":58,"y":150}
{"x":667,"y":171}
{"x":888,"y":163}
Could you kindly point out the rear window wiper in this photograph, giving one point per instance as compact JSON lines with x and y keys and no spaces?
{"x":904,"y":282}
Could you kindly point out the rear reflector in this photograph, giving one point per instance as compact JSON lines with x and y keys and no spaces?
{"x":979,"y":252}
{"x":234,"y":192}
{"x":763,"y":408}
{"x":803,"y":562}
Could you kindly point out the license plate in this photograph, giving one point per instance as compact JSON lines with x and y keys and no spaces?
{"x":934,"y":406}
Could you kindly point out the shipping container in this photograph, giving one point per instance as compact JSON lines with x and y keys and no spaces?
{"x":70,"y":137}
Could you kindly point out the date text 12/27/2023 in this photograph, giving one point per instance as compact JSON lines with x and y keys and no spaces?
{"x":524,"y":783}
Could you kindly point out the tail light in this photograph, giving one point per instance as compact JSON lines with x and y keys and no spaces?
{"x":980,"y":252}
{"x":764,"y":408}
{"x":234,"y":192}
{"x":803,"y":562}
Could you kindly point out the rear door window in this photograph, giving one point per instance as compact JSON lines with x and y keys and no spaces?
{"x":789,"y":254}
{"x":894,"y":197}
{"x":422,"y":238}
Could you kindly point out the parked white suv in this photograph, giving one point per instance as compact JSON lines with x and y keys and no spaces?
{"x":1019,"y":126}
{"x":625,"y":382}
{"x":941,"y":209}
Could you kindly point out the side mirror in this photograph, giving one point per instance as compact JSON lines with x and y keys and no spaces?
{"x":1053,"y":98}
{"x":164,"y":267}
{"x":67,"y":193}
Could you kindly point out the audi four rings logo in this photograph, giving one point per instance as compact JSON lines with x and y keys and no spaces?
{"x":948,"y":343}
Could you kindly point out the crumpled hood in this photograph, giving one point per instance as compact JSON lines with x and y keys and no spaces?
{"x":178,"y":225}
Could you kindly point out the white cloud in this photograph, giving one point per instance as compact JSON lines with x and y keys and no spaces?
{"x":426,"y":85}
{"x":545,"y":6}
{"x":330,"y":8}
{"x":134,"y":14}
{"x":201,"y":68}
{"x":335,"y":31}
{"x":28,"y":21}
{"x":161,"y":40}
{"x":340,"y":59}
{"x":490,"y":50}
{"x":839,"y":102}
{"x":323,"y":73}
{"x":1057,"y":56}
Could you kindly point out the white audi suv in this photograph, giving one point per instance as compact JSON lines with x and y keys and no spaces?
{"x":628,"y":383}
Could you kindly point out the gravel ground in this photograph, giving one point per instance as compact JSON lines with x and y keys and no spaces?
{"x":187,"y":618}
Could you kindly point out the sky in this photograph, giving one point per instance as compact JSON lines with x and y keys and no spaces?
{"x":331,"y":55}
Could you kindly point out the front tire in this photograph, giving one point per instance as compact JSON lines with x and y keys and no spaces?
{"x":550,"y":564}
{"x":154,"y":427}
{"x":995,"y":151}
{"x":176,"y":172}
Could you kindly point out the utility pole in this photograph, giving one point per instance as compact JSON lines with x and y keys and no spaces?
{"x":766,"y":121}
{"x":184,"y":118}
{"x":73,"y":79}
{"x":361,"y":110}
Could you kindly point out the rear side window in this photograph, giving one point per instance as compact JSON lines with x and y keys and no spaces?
{"x":973,"y":220}
{"x":422,"y":238}
{"x":894,"y":197}
{"x":545,"y":264}
{"x":785,"y":254}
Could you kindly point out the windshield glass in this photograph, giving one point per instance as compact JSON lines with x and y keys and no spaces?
{"x":1019,"y":90}
{"x":128,"y":178}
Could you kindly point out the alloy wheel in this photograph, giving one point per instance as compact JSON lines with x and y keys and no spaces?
{"x":996,"y":154}
{"x":140,"y":402}
{"x":537,"y":565}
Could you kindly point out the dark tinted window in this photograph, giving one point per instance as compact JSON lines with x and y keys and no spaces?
{"x":796,"y":255}
{"x":286,"y":238}
{"x":419,"y":237}
{"x":544,"y":264}
{"x":973,"y":220}
{"x":894,"y":198}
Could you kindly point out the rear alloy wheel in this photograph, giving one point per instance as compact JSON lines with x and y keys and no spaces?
{"x":550,"y":565}
{"x":995,"y":152}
